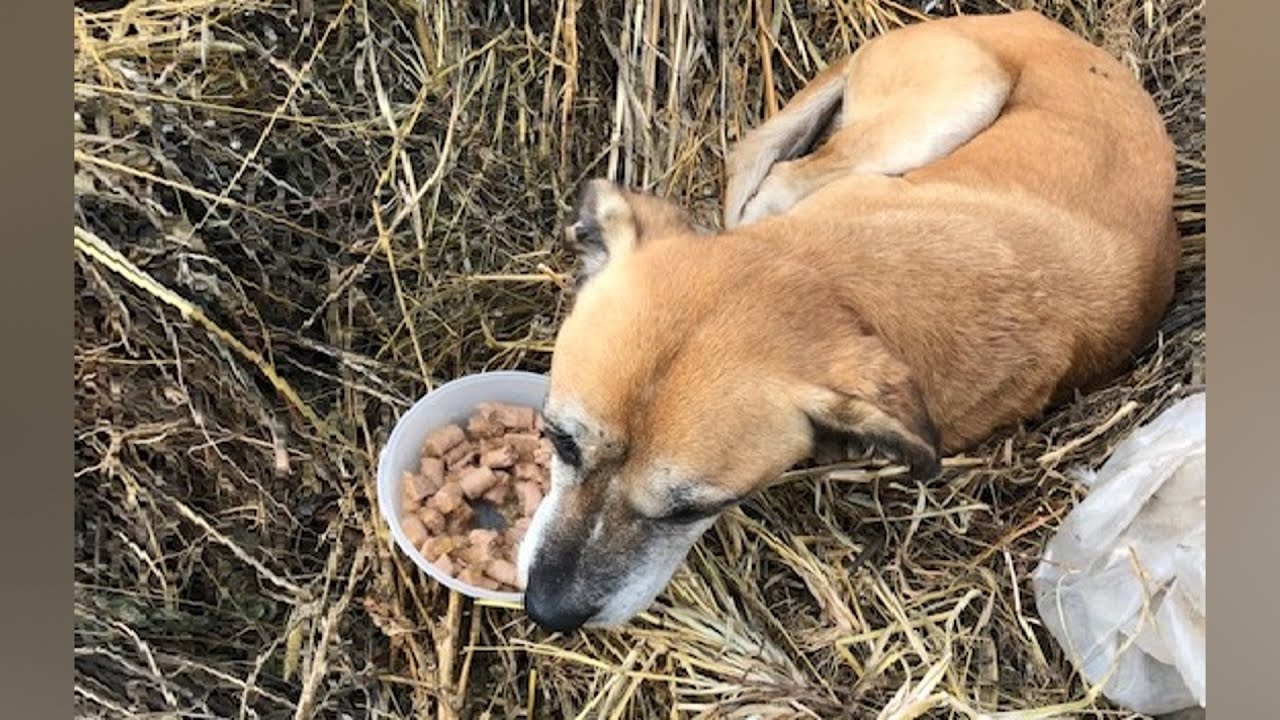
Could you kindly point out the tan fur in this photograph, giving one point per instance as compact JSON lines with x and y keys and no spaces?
{"x":935,"y":270}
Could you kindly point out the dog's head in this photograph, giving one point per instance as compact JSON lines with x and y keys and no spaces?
{"x":675,"y":393}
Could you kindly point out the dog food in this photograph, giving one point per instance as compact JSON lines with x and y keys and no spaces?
{"x":469,"y":504}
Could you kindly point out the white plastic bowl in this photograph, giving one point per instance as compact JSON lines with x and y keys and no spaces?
{"x":453,"y":402}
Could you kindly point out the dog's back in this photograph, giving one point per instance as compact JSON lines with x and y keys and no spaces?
{"x":1081,"y":133}
{"x":1076,"y":123}
{"x":1031,"y":260}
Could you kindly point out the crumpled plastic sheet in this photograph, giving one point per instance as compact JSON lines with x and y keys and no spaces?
{"x":1121,"y":586}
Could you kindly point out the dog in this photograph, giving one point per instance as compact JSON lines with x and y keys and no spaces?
{"x":945,"y":233}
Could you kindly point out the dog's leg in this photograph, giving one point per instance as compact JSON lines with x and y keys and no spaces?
{"x":912,"y":98}
{"x":794,"y":131}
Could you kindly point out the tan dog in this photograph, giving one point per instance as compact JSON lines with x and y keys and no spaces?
{"x":986,"y":227}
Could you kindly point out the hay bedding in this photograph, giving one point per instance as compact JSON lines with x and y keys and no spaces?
{"x":294,"y":218}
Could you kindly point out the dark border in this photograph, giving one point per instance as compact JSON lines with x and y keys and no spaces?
{"x":1244,"y":257}
{"x":35,"y":73}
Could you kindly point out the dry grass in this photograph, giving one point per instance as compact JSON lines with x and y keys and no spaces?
{"x":294,"y":218}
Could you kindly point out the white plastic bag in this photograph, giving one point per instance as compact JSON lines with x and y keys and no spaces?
{"x":1127,"y":568}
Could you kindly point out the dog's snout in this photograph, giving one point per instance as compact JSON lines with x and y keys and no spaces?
{"x":551,"y":608}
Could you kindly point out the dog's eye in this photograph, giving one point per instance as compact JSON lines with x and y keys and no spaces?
{"x":564,"y":446}
{"x":685,"y":514}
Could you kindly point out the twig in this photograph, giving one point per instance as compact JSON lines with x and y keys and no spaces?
{"x":94,"y":246}
{"x":1052,"y":457}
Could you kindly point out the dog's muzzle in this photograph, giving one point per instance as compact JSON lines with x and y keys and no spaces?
{"x":551,"y":607}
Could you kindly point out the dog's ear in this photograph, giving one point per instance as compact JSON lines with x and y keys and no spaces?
{"x":875,"y":399}
{"x":610,"y":222}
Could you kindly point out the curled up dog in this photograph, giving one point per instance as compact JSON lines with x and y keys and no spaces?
{"x":941,"y":235}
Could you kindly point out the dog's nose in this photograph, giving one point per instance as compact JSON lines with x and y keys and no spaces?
{"x":548,"y":607}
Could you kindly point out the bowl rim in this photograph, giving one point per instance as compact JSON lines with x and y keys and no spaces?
{"x":386,"y":504}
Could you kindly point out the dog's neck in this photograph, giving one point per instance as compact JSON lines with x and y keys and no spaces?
{"x":783,"y":300}
{"x":801,"y":308}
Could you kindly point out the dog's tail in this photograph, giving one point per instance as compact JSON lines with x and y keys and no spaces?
{"x":785,"y":136}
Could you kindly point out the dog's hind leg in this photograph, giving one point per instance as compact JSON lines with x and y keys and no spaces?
{"x":912,"y":97}
{"x":793,"y":132}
